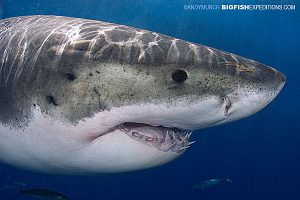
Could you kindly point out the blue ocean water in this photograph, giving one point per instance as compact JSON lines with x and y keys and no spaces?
{"x":260,"y":154}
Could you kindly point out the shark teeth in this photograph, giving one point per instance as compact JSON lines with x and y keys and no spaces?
{"x":167,"y":140}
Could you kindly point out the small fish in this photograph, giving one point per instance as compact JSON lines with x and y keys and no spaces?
{"x":211,"y":182}
{"x":19,"y":183}
{"x":44,"y":194}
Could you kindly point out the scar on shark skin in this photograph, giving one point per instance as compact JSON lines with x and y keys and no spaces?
{"x":240,"y":67}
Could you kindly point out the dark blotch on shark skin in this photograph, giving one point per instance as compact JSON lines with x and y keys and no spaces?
{"x":70,"y":76}
{"x":52,"y":100}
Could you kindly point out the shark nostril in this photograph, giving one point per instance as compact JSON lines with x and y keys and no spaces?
{"x":227,"y":103}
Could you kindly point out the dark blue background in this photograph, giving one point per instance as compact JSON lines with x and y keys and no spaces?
{"x":261,"y":154}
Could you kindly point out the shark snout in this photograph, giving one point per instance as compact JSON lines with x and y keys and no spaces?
{"x":268,"y":88}
{"x":281,"y":79}
{"x":275,"y":77}
{"x":270,"y":76}
{"x":258,"y":90}
{"x":274,"y":84}
{"x":266,"y":84}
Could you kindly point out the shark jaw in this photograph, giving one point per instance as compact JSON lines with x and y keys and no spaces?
{"x":118,"y":140}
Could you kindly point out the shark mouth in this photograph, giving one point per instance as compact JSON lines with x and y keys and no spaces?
{"x":159,"y":137}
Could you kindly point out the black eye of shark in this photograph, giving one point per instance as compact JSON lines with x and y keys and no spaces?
{"x":179,"y":76}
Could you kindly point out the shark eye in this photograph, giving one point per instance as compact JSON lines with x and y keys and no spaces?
{"x":179,"y":76}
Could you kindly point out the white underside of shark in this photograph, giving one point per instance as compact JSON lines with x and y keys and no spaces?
{"x":49,"y":145}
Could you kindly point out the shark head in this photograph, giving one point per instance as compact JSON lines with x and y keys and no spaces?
{"x":187,"y":95}
{"x":97,"y":97}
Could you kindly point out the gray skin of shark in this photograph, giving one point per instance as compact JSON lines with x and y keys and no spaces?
{"x":72,"y":69}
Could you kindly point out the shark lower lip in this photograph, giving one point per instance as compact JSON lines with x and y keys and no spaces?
{"x":162,"y":138}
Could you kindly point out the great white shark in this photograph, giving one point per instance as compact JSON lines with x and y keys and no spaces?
{"x":81,"y":96}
